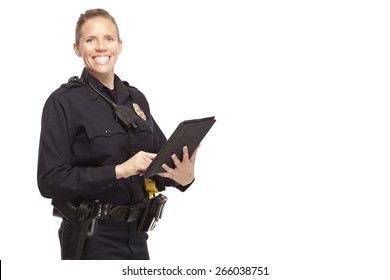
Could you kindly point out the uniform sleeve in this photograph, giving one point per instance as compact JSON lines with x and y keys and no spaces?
{"x":57,"y":177}
{"x":162,"y":183}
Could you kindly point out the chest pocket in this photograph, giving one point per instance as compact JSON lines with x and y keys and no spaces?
{"x":107,"y":141}
{"x":102,"y":129}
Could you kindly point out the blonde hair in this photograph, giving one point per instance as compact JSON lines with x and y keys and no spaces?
{"x":90,"y":14}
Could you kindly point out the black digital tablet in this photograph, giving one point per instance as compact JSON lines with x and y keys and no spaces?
{"x":188,"y":133}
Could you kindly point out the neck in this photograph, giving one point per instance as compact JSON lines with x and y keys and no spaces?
{"x":105,"y":79}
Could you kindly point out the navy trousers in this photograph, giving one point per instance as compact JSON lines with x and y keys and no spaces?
{"x":116,"y":241}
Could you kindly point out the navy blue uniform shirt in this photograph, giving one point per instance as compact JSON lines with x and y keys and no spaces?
{"x":82,"y":141}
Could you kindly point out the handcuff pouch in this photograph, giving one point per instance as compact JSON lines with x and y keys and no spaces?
{"x":152,"y":214}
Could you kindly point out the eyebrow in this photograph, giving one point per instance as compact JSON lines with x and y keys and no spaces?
{"x":105,"y":36}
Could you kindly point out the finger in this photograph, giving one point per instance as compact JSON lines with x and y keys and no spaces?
{"x":143,"y":163}
{"x":193,"y":156}
{"x":141,"y":168}
{"x":165,"y":175}
{"x":150,"y":155}
{"x":176,"y":160}
{"x":167,"y":168}
{"x":185,"y":153}
{"x":146,"y":163}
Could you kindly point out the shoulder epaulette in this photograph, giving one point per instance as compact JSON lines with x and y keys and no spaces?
{"x":74,"y":81}
{"x":128,"y":85}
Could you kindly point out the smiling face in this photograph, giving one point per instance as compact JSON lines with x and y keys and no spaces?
{"x":99,"y":46}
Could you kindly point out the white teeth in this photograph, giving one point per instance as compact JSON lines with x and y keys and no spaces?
{"x":101,"y":58}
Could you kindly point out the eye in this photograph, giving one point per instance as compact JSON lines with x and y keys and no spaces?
{"x":89,"y":40}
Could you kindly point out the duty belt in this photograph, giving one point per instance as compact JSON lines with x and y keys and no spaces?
{"x":82,"y":219}
{"x":118,"y":213}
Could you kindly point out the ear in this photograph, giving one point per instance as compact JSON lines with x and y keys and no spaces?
{"x":120,"y":46}
{"x":76,"y":50}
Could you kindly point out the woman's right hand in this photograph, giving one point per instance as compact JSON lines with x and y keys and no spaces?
{"x":135,"y":165}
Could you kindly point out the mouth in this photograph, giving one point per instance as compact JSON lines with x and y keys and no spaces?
{"x":101,"y":59}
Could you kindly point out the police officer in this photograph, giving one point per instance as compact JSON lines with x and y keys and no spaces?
{"x":88,"y":153}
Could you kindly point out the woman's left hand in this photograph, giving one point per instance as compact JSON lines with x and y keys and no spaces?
{"x":183,"y":173}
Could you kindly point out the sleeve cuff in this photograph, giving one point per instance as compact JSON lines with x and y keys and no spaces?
{"x":184,"y":188}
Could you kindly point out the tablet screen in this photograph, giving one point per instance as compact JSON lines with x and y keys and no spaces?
{"x":188,"y":133}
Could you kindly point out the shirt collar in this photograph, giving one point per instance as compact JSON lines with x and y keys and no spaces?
{"x":119,"y":87}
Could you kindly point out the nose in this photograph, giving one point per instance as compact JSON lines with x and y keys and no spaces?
{"x":101,"y":46}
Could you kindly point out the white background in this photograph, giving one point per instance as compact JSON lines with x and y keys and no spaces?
{"x":293,"y":175}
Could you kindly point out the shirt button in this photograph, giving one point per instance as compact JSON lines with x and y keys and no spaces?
{"x":108,"y":131}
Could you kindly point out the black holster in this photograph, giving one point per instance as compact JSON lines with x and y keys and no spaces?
{"x":78,"y":225}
